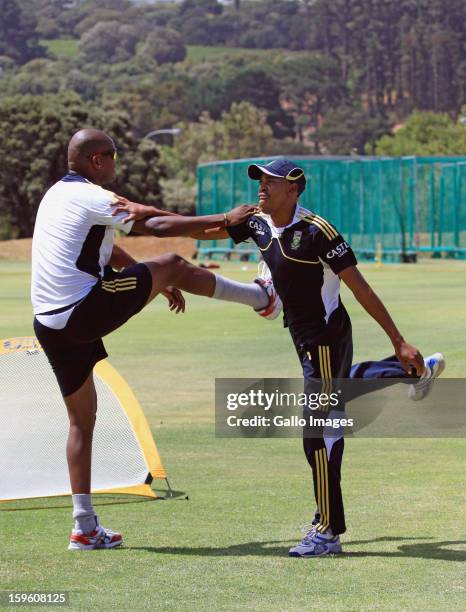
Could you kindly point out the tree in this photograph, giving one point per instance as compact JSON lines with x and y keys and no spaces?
{"x":310,"y":88}
{"x":350,"y":129}
{"x":49,"y":14}
{"x":425,"y":134}
{"x":196,"y":21}
{"x":108,"y":42}
{"x":37,"y":77}
{"x":208,"y":85}
{"x":258,"y":87}
{"x":160,"y":99}
{"x":211,"y":7}
{"x":6,"y":65}
{"x":97,"y":16}
{"x":18,"y":36}
{"x":179,"y":194}
{"x":241,"y":132}
{"x":165,"y":46}
{"x":35,"y":131}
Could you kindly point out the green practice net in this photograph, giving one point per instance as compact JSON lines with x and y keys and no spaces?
{"x":396,"y":207}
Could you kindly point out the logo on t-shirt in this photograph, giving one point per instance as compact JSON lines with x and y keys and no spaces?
{"x":338,"y":251}
{"x":296,"y":241}
{"x":257,"y":227}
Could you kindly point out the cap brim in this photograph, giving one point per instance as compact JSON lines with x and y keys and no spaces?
{"x":255,"y":172}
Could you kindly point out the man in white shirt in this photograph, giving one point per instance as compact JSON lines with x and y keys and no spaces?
{"x":77,"y":298}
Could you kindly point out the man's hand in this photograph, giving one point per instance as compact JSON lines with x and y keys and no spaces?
{"x":241,"y":213}
{"x":136,"y":212}
{"x":175,"y":299}
{"x":409,"y":356}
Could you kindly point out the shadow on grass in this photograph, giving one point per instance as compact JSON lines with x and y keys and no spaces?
{"x":278,"y":548}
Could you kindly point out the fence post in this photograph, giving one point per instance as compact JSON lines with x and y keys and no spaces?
{"x":380,"y":204}
{"x":440,"y":210}
{"x":200,"y":176}
{"x":361,"y":203}
{"x":432,"y":207}
{"x":348,"y":167}
{"x":461,"y":168}
{"x":402,"y":209}
{"x":215,"y":197}
{"x":339,"y":197}
{"x":456,"y":201}
{"x":231,"y":243}
{"x":411,"y":200}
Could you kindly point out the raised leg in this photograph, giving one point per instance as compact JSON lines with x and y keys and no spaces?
{"x":171,"y":269}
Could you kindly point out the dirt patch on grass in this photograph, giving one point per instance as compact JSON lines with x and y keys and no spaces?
{"x":16,"y":250}
{"x":144,"y":247}
{"x":140,"y":247}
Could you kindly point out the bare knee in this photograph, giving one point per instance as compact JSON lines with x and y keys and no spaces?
{"x":172,"y":265}
{"x":82,"y":408}
{"x":174,"y":261}
{"x":176,"y":258}
{"x":83,"y":426}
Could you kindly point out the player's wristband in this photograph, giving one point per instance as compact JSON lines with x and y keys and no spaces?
{"x":226,"y":220}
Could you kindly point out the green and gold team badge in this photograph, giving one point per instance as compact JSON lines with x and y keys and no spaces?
{"x":296,"y":240}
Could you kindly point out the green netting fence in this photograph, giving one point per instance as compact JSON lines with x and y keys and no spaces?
{"x":397,"y":207}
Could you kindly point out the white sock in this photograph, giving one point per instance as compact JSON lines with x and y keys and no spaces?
{"x":83,"y":512}
{"x":250,"y":294}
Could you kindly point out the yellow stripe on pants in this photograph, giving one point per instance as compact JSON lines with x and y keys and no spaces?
{"x":322,"y":487}
{"x":325,"y":370}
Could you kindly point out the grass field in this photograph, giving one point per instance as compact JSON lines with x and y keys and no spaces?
{"x":68,"y":47}
{"x":199,"y":53}
{"x":62,"y":47}
{"x":226,"y":548}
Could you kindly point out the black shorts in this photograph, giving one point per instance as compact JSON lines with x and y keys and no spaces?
{"x":74,"y":350}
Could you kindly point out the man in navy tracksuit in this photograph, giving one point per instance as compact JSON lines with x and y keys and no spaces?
{"x":307,"y":257}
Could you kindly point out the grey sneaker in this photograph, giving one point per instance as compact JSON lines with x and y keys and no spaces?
{"x":316,"y":545}
{"x":435,"y":364}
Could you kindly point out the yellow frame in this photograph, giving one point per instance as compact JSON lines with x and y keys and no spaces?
{"x":131,"y":406}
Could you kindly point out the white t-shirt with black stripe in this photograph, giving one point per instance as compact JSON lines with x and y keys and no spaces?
{"x":72,"y":243}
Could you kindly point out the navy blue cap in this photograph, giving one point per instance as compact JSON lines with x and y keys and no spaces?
{"x":282,"y":168}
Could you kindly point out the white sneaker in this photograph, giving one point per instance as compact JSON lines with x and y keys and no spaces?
{"x":99,"y":538}
{"x":274,"y":307}
{"x":315,"y":544}
{"x":435,"y":364}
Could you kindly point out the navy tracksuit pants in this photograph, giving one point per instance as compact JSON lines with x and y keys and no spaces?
{"x":324,"y":450}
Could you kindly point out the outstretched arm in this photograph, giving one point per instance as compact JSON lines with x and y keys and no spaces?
{"x":154,"y":222}
{"x":199,"y":231}
{"x":177,"y":225}
{"x":137,"y":211}
{"x":408,"y":355}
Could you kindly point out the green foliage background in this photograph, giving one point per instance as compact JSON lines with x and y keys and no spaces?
{"x":324,"y":78}
{"x":34,"y":134}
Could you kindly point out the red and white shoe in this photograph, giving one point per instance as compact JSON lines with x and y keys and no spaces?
{"x":99,"y":538}
{"x":274,"y":307}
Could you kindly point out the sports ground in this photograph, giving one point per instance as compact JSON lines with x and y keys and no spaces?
{"x":226,"y":547}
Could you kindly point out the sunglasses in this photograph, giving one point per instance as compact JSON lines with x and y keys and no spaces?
{"x":110,"y":153}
